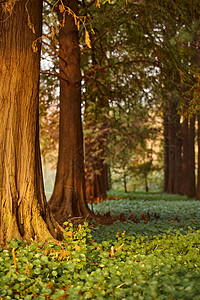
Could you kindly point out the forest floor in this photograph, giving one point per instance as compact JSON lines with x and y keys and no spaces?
{"x":142,"y":246}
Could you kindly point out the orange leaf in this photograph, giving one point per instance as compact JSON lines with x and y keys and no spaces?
{"x":87,"y":39}
{"x":70,"y":234}
{"x":119,"y":248}
{"x":77,"y":247}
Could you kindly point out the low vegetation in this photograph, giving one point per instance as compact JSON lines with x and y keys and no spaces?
{"x":152,"y":251}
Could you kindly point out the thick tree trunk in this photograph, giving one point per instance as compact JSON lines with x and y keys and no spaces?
{"x":23,"y":208}
{"x":172,"y":147}
{"x":68,"y":198}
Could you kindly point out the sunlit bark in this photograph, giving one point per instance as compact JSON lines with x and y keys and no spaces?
{"x":23,"y":208}
{"x":68,"y":198}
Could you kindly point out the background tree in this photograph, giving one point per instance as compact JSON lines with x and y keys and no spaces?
{"x":140,"y":55}
{"x":68,"y":198}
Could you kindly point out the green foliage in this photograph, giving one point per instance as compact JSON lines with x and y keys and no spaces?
{"x":155,"y":260}
{"x":149,"y":213}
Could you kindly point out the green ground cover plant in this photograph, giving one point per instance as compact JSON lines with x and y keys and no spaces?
{"x":151,"y":252}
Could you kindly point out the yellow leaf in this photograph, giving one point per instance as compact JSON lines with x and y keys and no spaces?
{"x":62,"y":254}
{"x":119,"y":248}
{"x":77,"y":247}
{"x":87,"y":39}
{"x":97,"y":3}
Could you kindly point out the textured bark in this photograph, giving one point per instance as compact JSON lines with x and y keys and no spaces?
{"x":68,"y":198}
{"x":23,"y":208}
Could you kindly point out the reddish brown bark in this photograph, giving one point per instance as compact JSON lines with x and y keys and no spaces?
{"x":172,"y":147}
{"x":166,"y":151}
{"x":98,"y":185}
{"x":172,"y":137}
{"x":191,"y":159}
{"x":198,"y":172}
{"x":178,"y":159}
{"x":185,"y":154}
{"x":188,"y":158}
{"x":68,"y":198}
{"x":23,"y":208}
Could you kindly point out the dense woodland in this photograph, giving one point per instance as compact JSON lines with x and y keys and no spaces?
{"x":139,"y":68}
{"x":115,"y":90}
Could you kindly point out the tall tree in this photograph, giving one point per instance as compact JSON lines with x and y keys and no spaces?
{"x":23,"y":208}
{"x":68,"y":198}
{"x":191,"y":161}
{"x":198,"y":170}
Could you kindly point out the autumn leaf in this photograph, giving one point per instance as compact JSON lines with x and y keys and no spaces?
{"x":98,"y":4}
{"x":87,"y":39}
{"x":77,"y":247}
{"x":112,"y":251}
{"x":70,"y":234}
{"x":119,"y":248}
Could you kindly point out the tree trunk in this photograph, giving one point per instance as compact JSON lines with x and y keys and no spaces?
{"x":68,"y":198}
{"x":146,"y":184}
{"x":198,"y":174}
{"x":178,"y":160}
{"x":185,"y":180}
{"x":172,"y":146}
{"x":124,"y":181}
{"x":23,"y":209}
{"x":166,"y":150}
{"x":191,"y":159}
{"x":98,"y":185}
